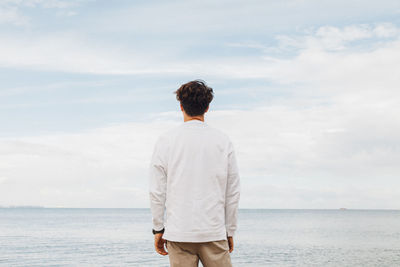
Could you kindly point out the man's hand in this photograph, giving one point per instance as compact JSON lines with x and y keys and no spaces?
{"x":230,"y":242}
{"x":159,"y":244}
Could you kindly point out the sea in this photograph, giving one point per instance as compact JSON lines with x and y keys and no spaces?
{"x":265,"y":237}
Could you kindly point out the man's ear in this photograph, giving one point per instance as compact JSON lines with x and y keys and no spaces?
{"x":206,"y":109}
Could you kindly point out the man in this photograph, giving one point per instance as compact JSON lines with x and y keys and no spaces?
{"x":195,"y":178}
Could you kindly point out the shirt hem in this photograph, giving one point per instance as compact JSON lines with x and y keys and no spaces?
{"x":193,"y":237}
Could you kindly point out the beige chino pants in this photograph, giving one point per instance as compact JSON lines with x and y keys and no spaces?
{"x":188,"y":254}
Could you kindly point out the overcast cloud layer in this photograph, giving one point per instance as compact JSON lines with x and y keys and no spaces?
{"x":311,"y":101}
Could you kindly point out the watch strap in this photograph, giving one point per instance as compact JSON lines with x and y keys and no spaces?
{"x":159,"y":231}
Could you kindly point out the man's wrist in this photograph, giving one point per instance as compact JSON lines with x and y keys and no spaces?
{"x":159,"y":231}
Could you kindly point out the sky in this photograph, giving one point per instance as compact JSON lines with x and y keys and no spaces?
{"x":308,"y":92}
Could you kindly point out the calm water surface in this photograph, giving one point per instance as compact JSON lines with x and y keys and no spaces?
{"x":122,"y":237}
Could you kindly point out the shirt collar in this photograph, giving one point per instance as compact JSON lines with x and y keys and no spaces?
{"x":194,"y":122}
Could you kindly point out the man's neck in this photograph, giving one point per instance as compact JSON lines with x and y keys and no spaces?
{"x":193,"y":118}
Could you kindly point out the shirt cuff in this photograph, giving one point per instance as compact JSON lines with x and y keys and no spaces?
{"x":158,"y":228}
{"x":230,"y":232}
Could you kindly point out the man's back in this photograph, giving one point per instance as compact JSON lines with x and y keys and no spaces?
{"x":195,"y":179}
{"x":200,"y":167}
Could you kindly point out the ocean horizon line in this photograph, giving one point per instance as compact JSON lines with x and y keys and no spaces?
{"x":145,"y":208}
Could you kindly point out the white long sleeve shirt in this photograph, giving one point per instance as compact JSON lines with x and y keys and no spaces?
{"x":194,"y":178}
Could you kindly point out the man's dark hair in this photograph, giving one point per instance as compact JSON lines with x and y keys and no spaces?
{"x":195,"y":97}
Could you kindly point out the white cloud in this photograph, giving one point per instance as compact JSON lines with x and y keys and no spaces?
{"x":69,"y":169}
{"x":332,"y":142}
{"x":334,"y":38}
{"x":324,"y":55}
{"x":13,"y":16}
{"x":11,"y":10}
{"x":71,"y":52}
{"x":41,"y":3}
{"x":316,"y":157}
{"x":204,"y":18}
{"x":68,"y":53}
{"x":386,"y":30}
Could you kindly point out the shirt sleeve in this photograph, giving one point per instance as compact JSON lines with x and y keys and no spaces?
{"x":232,"y":193}
{"x":158,"y":184}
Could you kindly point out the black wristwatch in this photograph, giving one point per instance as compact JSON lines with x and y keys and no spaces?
{"x":157,"y":232}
